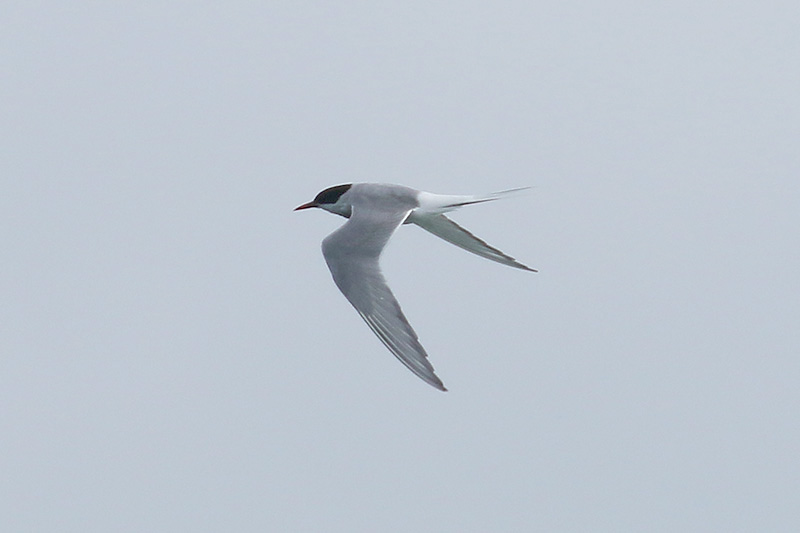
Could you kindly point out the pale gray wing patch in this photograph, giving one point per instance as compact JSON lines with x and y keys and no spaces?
{"x":352,"y":253}
{"x":443,"y":227}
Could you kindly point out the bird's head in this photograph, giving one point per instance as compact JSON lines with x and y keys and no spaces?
{"x":332,"y":199}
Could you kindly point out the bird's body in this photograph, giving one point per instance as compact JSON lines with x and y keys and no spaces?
{"x":352,"y":253}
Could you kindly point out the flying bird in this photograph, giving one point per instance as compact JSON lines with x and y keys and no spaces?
{"x":352,"y":252}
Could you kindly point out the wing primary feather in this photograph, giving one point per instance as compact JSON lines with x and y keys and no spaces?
{"x":419,"y":366}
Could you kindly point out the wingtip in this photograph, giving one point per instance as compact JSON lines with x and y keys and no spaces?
{"x":436,"y":383}
{"x":516,"y":264}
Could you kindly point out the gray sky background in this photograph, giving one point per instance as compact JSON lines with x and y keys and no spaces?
{"x":175,"y":356}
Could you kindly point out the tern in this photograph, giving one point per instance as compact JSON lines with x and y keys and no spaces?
{"x":352,"y":252}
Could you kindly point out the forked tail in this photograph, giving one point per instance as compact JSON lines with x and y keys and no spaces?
{"x":443,"y":203}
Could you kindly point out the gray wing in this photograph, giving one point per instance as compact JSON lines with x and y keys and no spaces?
{"x":443,"y":227}
{"x":352,"y":253}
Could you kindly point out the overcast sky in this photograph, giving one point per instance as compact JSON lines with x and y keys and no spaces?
{"x":175,"y":357}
